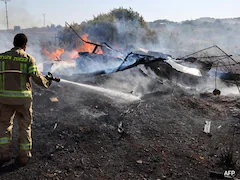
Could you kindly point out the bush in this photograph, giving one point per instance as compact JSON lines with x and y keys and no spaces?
{"x":119,"y":26}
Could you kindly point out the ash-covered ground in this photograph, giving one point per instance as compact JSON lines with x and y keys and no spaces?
{"x":153,"y":132}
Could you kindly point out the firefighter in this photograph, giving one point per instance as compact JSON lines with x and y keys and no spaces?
{"x":16,"y":69}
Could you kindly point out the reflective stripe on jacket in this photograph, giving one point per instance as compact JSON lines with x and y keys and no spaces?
{"x":4,"y":140}
{"x":16,"y":69}
{"x":17,"y":94}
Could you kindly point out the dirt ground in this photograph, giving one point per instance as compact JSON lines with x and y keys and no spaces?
{"x":92,"y":136}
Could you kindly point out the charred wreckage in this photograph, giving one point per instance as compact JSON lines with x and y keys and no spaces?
{"x":209,"y":62}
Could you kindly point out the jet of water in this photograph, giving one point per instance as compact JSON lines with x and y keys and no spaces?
{"x":115,"y":95}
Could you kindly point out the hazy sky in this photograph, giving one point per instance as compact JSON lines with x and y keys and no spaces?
{"x":28,"y":13}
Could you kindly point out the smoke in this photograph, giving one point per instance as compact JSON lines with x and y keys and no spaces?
{"x":6,"y":41}
{"x":190,"y":36}
{"x":34,"y":49}
{"x":33,"y":46}
{"x":65,"y":68}
{"x":174,"y":39}
{"x":138,"y":81}
{"x":21,"y":17}
{"x":209,"y":84}
{"x":130,"y":33}
{"x":181,"y":39}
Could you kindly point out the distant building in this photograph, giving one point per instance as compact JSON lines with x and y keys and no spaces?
{"x":16,"y":28}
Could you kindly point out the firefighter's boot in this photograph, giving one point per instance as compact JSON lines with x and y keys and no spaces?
{"x":22,"y":160}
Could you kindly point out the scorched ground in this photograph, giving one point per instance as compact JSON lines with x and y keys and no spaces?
{"x":88,"y":135}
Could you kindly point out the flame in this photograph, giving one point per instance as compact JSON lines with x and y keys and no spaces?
{"x":53,"y":55}
{"x":86,"y":47}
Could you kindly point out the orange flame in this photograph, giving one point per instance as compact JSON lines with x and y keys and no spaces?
{"x":53,"y":55}
{"x":86,"y":47}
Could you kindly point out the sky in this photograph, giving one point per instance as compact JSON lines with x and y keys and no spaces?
{"x":37,"y":13}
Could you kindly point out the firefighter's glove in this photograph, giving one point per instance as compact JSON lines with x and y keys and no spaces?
{"x":49,"y":82}
{"x":49,"y":78}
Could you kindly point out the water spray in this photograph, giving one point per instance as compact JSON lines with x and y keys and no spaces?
{"x":105,"y":91}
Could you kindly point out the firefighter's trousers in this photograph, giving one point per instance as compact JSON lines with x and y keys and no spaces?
{"x":24,"y":119}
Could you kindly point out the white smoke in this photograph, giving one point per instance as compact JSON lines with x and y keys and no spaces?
{"x":64,"y":68}
{"x":34,"y":49}
{"x":181,"y":39}
{"x":6,"y":41}
{"x":173,"y":40}
{"x":22,"y":18}
{"x":33,"y":46}
{"x":18,"y":15}
{"x":137,"y":81}
{"x":209,"y":84}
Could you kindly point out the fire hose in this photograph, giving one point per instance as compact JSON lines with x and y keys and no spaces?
{"x":49,"y":76}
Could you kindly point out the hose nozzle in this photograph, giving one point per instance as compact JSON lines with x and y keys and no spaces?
{"x":50,"y":77}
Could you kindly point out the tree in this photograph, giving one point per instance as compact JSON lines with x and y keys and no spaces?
{"x":119,"y":26}
{"x":67,"y":37}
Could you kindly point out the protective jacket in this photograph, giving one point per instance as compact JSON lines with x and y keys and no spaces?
{"x":16,"y":68}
